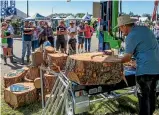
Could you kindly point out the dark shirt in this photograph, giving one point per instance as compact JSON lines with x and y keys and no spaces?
{"x":9,"y":40}
{"x":26,"y":36}
{"x":49,"y":32}
{"x":61,"y":29}
{"x":81,"y":33}
{"x":72,"y":42}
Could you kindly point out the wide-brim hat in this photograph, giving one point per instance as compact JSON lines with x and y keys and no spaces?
{"x":124,"y":19}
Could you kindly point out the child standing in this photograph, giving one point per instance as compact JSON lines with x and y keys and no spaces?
{"x":72,"y":44}
{"x":4,"y":36}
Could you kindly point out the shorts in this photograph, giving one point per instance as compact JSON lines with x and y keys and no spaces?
{"x":80,"y":40}
{"x":10,"y":42}
{"x":60,"y":42}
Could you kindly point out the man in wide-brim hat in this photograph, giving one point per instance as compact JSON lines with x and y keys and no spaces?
{"x":142,"y":44}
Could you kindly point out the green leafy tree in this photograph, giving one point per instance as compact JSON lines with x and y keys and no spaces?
{"x":80,"y":15}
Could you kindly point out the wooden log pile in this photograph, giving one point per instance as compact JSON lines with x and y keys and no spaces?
{"x":58,"y":59}
{"x":15,"y":76}
{"x":83,"y":69}
{"x":18,"y":99}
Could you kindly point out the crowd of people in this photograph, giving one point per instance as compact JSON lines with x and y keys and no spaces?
{"x":35,"y":36}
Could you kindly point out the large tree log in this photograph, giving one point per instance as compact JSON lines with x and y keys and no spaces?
{"x":15,"y":76}
{"x":17,"y":99}
{"x":32,"y":74}
{"x":37,"y":58}
{"x":48,"y":50}
{"x":57,"y":58}
{"x":81,"y":68}
{"x":49,"y":81}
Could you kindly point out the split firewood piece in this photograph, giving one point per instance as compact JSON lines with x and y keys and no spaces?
{"x":15,"y":76}
{"x":57,"y":58}
{"x":20,"y":98}
{"x":100,"y":70}
{"x":37,"y":83}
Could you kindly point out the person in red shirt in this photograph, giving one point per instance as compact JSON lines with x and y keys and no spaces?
{"x":88,"y":34}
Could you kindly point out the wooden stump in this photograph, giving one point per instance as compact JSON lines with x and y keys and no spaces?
{"x":49,"y":81}
{"x":81,"y":68}
{"x":58,"y":59}
{"x":32,"y":74}
{"x":48,"y":50}
{"x":18,"y":99}
{"x":15,"y":76}
{"x":37,"y":58}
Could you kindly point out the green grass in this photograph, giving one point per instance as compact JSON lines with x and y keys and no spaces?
{"x":31,"y":109}
{"x":122,"y":106}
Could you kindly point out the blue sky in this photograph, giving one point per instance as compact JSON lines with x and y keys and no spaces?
{"x":45,"y":7}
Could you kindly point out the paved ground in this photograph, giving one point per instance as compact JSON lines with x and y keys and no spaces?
{"x":18,"y":51}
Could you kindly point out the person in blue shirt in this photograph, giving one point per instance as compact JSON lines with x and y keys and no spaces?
{"x":142,"y":44}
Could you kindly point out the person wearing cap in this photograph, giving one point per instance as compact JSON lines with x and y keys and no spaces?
{"x":61,"y":32}
{"x":81,"y":37}
{"x":71,"y":29}
{"x":142,"y":44}
{"x":88,"y":34}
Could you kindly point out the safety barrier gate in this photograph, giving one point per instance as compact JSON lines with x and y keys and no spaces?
{"x":56,"y":102}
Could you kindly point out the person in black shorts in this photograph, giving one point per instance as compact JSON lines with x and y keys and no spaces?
{"x":80,"y":30}
{"x":61,"y":32}
{"x":72,"y":44}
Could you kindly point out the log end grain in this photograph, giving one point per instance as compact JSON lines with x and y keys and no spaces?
{"x":18,"y":99}
{"x":58,"y":59}
{"x":15,"y":76}
{"x":85,"y":70}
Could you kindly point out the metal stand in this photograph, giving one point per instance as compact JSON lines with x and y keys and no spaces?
{"x":58,"y":94}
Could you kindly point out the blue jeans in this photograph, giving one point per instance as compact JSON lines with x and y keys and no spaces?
{"x":87,"y":44}
{"x":35,"y":44}
{"x":26,"y":46}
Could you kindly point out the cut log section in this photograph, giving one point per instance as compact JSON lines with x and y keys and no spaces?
{"x":49,"y":81}
{"x":58,"y":59}
{"x":18,"y":99}
{"x":37,"y":58}
{"x":84,"y":70}
{"x":48,"y":50}
{"x":32,"y":74}
{"x":15,"y":76}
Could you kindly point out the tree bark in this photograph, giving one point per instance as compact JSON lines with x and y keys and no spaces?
{"x":15,"y":77}
{"x":58,"y":59}
{"x":32,"y":74}
{"x":18,"y":99}
{"x":49,"y":81}
{"x":84,"y":70}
